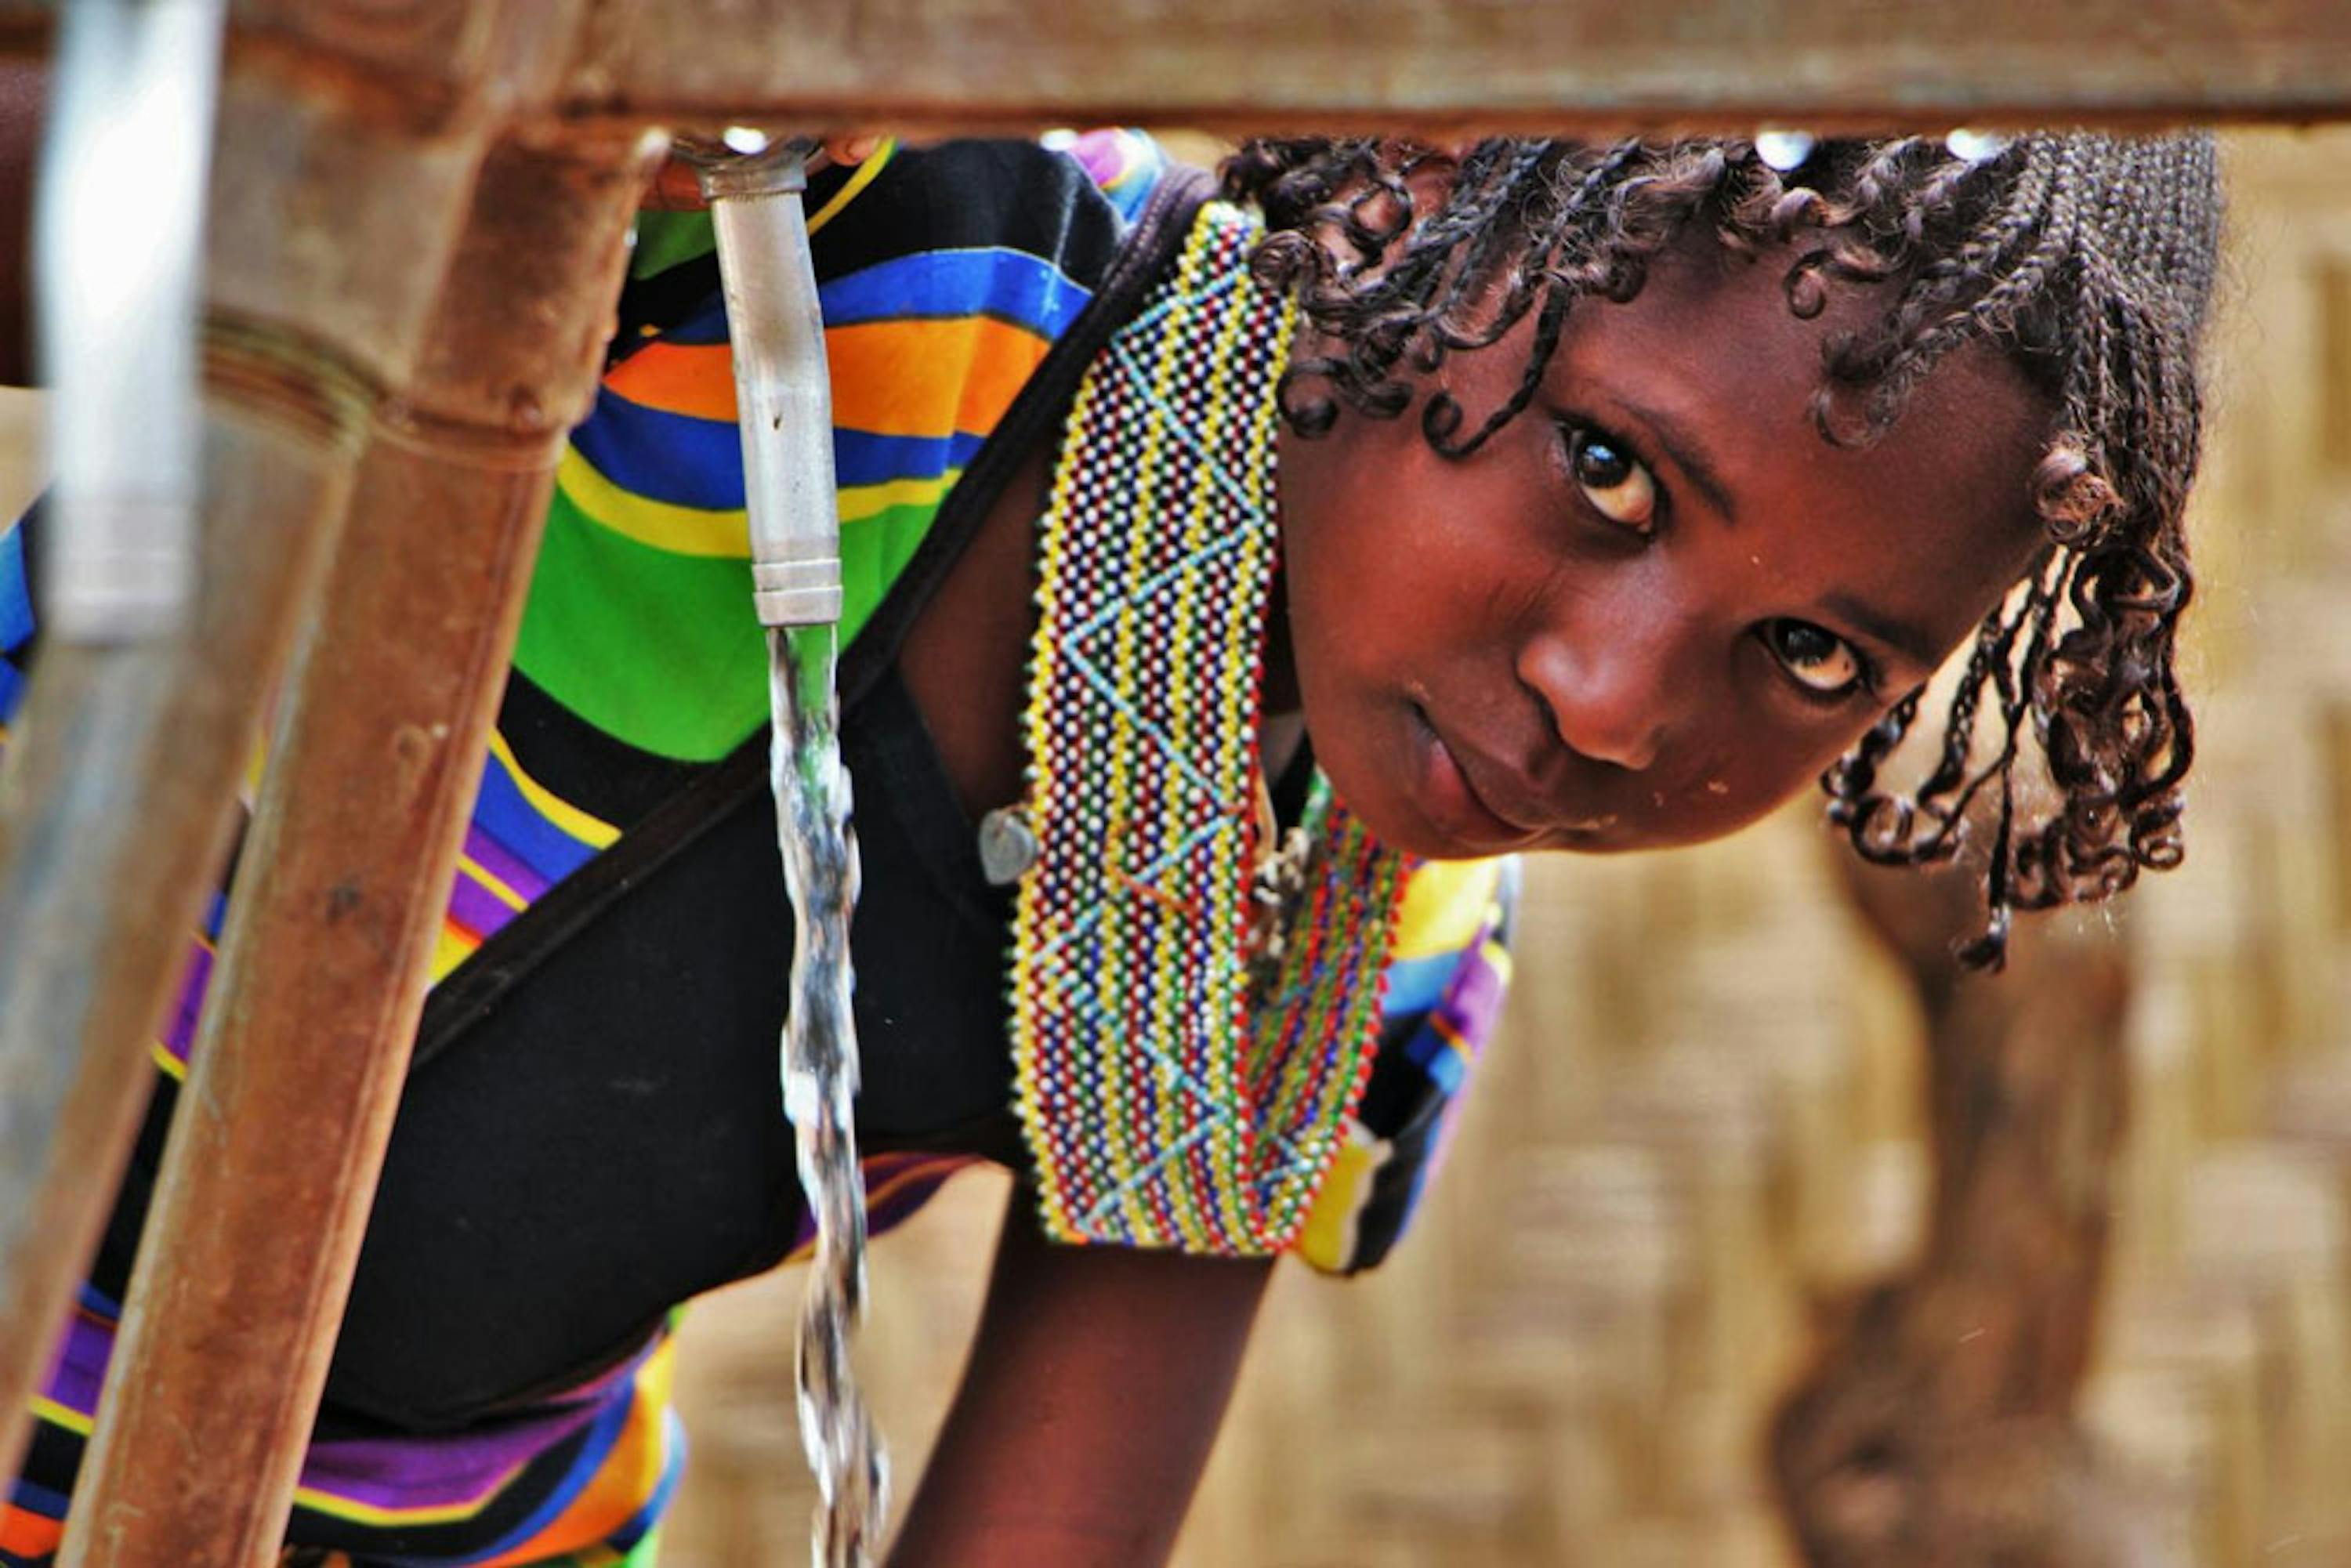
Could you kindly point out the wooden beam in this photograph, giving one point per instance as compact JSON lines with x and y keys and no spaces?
{"x":1439,"y":63}
{"x":1938,"y":1422}
{"x":1431,"y":65}
{"x":325,"y":245}
{"x":117,"y":796}
{"x":281,"y":1130}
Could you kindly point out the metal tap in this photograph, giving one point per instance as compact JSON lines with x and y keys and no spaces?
{"x":782,"y":392}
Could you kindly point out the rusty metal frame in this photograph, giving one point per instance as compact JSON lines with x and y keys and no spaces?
{"x":1438,"y":64}
{"x":288,"y":400}
{"x":929,"y":65}
{"x":315,"y":348}
{"x":297,"y":1073}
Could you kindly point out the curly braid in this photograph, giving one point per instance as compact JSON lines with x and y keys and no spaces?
{"x":2088,"y":260}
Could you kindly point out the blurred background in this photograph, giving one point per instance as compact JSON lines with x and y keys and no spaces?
{"x":1698,"y":1172}
{"x":1703,"y":1136}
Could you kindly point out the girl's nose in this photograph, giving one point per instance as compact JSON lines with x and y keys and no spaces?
{"x":1609,"y":703}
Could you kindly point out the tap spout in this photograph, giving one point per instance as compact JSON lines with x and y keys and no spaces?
{"x":783,"y":397}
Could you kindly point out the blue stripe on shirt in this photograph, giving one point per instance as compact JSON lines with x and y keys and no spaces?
{"x":1009,"y":284}
{"x":15,"y":596}
{"x":1436,"y":1056}
{"x":502,"y":811}
{"x":675,"y":458}
{"x":684,"y":461}
{"x":984,"y":280}
{"x":1417,"y":985}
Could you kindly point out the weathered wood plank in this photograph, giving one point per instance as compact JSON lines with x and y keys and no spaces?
{"x":1937,"y":1423}
{"x":1246,"y":64}
{"x":305,"y":1041}
{"x":107,"y":852}
{"x":1433,"y":65}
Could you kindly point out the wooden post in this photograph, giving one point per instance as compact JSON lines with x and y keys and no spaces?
{"x":273,"y":1161}
{"x":1430,"y":65}
{"x":1937,"y":1428}
{"x":323,"y":258}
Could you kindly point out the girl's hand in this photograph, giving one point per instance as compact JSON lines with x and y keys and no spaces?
{"x":677,"y":188}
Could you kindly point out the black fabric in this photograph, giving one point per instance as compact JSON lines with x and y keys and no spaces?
{"x":471,"y":994}
{"x":609,"y":780}
{"x":606,"y":1140}
{"x":950,"y":197}
{"x":604,"y":1144}
{"x":926,"y":192}
{"x":591,"y":1132}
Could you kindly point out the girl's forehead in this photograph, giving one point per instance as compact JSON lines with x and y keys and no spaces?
{"x":1697,"y":278}
{"x":1714,"y":335}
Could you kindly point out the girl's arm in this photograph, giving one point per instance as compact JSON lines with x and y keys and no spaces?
{"x":1095,"y":1388}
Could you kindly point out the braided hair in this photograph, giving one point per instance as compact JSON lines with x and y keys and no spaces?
{"x":2088,"y":260}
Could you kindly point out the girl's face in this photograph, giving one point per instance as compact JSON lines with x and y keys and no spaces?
{"x":1657,"y":603}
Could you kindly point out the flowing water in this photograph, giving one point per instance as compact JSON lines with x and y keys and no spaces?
{"x":819,"y":1078}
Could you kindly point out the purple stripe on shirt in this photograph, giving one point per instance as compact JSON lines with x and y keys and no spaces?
{"x":454,"y":1469}
{"x":1473,"y":1002}
{"x":395,"y":1473}
{"x":477,"y":909}
{"x":81,"y":1365}
{"x":440,"y":1471}
{"x":181,"y":1031}
{"x":1472,"y":1005}
{"x":503,"y":863}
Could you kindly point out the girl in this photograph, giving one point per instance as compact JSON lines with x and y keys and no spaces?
{"x":1231,"y":583}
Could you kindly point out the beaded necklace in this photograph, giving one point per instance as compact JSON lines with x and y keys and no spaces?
{"x":1193,"y":1011}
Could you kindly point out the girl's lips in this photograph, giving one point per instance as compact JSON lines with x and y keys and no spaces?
{"x":1469,"y":810}
{"x":1451,"y":800}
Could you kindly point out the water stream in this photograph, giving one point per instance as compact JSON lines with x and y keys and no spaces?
{"x":820,"y":1079}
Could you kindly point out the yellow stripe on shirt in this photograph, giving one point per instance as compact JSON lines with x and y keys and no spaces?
{"x":569,"y":818}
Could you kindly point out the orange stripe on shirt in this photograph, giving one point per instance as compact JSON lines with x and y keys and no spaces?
{"x":24,"y":1533}
{"x":630,"y":1474}
{"x":928,"y":377}
{"x":696,"y":379}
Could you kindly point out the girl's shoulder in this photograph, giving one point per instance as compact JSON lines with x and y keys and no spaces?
{"x":920,"y":226}
{"x":945,"y":275}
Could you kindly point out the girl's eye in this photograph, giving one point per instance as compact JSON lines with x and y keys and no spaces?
{"x":1617,"y":483}
{"x":1818,"y":661}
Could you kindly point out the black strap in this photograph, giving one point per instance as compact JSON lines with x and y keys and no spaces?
{"x":471,"y":991}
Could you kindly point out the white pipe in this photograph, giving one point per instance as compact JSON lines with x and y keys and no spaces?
{"x":119,"y":264}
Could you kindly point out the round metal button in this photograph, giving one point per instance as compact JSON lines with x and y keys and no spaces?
{"x":1008,"y":846}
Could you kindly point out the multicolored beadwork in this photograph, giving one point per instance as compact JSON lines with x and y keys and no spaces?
{"x":1169,"y":1102}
